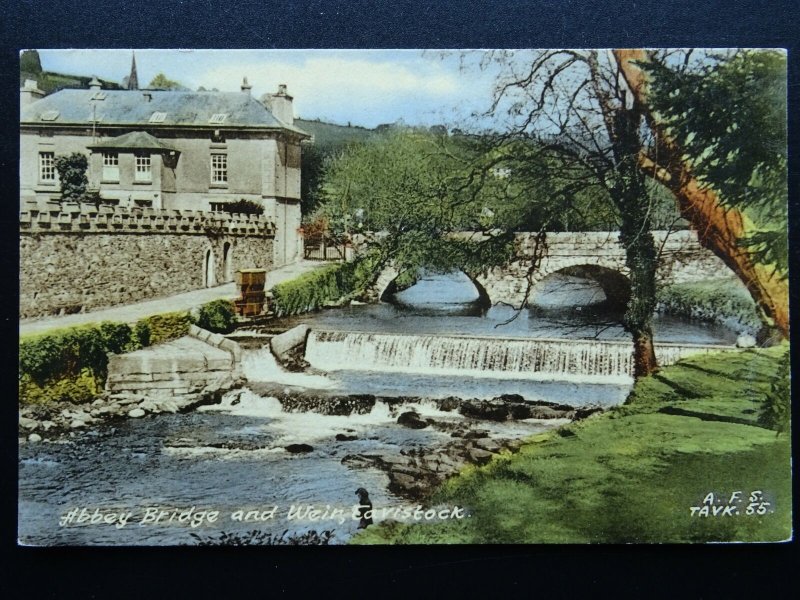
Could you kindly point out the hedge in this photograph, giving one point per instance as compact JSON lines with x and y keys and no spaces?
{"x":316,"y":289}
{"x":72,"y":364}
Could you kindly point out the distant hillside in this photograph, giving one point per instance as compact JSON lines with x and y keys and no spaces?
{"x":329,"y":135}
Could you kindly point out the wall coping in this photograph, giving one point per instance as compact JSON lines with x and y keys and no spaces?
{"x":56,"y":217}
{"x":218,"y":341}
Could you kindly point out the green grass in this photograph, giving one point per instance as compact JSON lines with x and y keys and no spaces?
{"x":632,"y":474}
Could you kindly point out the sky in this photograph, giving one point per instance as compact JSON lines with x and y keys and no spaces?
{"x":360,"y":87}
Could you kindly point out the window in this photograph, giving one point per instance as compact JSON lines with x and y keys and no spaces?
{"x":47,"y":166}
{"x":49,"y":115}
{"x":219,"y":168}
{"x":143,"y":172}
{"x":110,"y":166}
{"x":218,"y":118}
{"x":158,"y":117}
{"x":99,"y":96}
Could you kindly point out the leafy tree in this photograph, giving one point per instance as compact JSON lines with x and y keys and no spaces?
{"x":589,"y":139}
{"x":408,"y":192}
{"x":720,"y":147}
{"x":162,"y":82}
{"x":29,"y":62}
{"x":72,"y":176}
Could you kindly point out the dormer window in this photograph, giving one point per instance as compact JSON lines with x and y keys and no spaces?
{"x":99,"y":96}
{"x":218,"y":118}
{"x":158,"y":117}
{"x":49,"y":115}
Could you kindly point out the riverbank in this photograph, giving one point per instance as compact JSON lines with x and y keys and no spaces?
{"x":636,"y":472}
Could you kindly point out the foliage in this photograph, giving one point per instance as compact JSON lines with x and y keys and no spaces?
{"x":164,"y":327}
{"x":72,"y":364}
{"x":263,"y":538}
{"x":729,"y":115}
{"x":72,"y":176}
{"x":29,"y":62}
{"x":329,"y":140}
{"x":316,"y":289}
{"x":721,"y":300}
{"x":243,"y":207}
{"x":631,"y":474}
{"x":775,"y":411}
{"x":162,"y":82}
{"x":79,"y":388}
{"x":218,"y":316}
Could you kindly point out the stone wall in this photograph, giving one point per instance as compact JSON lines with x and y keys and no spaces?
{"x":75,"y":258}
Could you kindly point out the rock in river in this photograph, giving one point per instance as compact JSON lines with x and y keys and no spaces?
{"x":412,"y":420}
{"x":298,"y":448}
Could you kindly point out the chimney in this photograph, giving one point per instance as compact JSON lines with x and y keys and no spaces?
{"x":280,"y":105}
{"x":246,"y":87}
{"x":95,"y":84}
{"x":29,"y":93}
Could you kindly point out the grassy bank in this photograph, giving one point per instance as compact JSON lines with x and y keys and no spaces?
{"x":632,"y":474}
{"x":723,"y":301}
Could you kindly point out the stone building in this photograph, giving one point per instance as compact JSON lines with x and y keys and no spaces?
{"x":176,"y":150}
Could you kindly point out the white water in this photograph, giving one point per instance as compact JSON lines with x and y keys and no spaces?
{"x":260,"y":365}
{"x":587,"y":361}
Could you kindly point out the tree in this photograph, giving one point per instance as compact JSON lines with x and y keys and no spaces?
{"x":29,"y":62}
{"x":161,"y":82}
{"x":409,"y":192}
{"x":589,"y":135}
{"x":72,"y":176}
{"x":720,"y":147}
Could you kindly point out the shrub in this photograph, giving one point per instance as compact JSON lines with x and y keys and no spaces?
{"x":218,"y":316}
{"x":243,"y":207}
{"x":776,"y":409}
{"x":162,"y":328}
{"x":72,"y":364}
{"x":311,"y":291}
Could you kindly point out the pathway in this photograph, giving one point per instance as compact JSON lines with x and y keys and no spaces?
{"x":130,"y":313}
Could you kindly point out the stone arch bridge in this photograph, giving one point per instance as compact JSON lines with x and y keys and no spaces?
{"x":595,"y":254}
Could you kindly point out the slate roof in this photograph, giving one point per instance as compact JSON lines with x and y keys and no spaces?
{"x":139,"y":140}
{"x":131,"y":108}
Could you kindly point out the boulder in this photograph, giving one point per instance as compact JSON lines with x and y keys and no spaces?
{"x":34,"y":437}
{"x":412,"y":420}
{"x":135,"y":413}
{"x":298,"y":448}
{"x":343,"y":437}
{"x":478,"y":456}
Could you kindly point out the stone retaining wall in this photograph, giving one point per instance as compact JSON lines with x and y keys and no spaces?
{"x":77,"y":257}
{"x":182,"y":367}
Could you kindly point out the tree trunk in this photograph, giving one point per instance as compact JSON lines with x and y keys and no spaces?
{"x":721,"y":229}
{"x":644,"y":355}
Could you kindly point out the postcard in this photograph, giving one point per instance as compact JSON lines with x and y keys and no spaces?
{"x":329,"y":297}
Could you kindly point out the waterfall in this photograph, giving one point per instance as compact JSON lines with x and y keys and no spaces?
{"x":539,"y":359}
{"x":260,"y":365}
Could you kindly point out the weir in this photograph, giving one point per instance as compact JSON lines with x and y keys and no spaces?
{"x":588,"y":361}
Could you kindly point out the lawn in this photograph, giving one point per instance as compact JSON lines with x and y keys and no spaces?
{"x":633,"y":473}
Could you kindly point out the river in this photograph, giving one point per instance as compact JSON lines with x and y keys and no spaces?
{"x":232,"y":457}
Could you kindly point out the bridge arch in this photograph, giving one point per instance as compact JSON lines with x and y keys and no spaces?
{"x":386,"y":286}
{"x":616,"y":286}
